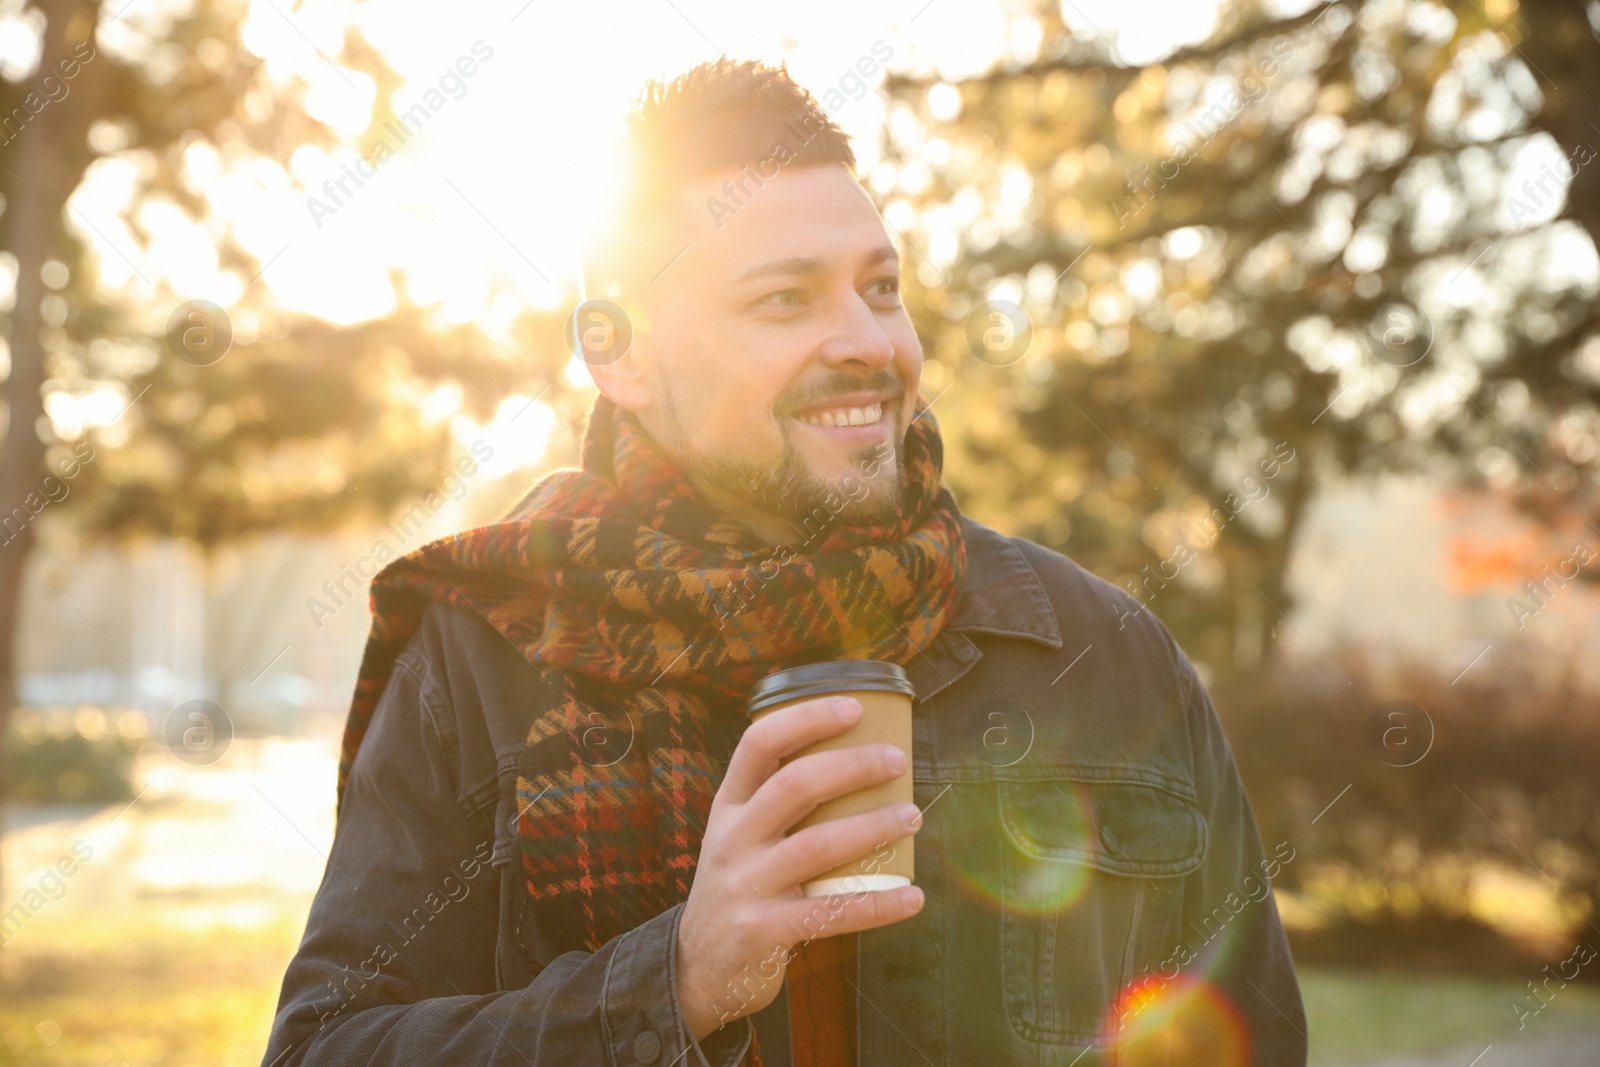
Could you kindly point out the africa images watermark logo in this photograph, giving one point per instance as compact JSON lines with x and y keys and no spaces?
{"x":50,"y":886}
{"x":452,"y":889}
{"x":823,"y":515}
{"x":1197,"y":535}
{"x":349,"y":586}
{"x":52,"y":90}
{"x":1200,"y":129}
{"x":852,"y":81}
{"x":1540,"y":591}
{"x":52,"y":490}
{"x":1543,"y":195}
{"x":403,"y":127}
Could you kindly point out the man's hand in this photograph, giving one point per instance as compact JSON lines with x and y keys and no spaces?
{"x":746,"y":910}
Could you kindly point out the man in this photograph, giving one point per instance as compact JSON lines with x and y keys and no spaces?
{"x":561,"y":842}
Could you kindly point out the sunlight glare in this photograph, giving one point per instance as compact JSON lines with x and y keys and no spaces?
{"x":480,"y":204}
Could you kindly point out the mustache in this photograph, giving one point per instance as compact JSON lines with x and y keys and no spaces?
{"x":886,"y":383}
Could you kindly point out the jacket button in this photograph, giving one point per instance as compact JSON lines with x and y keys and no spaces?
{"x":647,"y":1047}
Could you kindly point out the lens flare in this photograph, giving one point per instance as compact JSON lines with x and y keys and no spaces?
{"x":1027,"y":874}
{"x":1155,"y":1020}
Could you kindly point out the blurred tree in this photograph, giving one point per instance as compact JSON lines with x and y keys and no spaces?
{"x":303,"y":425}
{"x":1355,"y":240}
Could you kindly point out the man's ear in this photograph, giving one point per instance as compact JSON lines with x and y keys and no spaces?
{"x":624,"y":379}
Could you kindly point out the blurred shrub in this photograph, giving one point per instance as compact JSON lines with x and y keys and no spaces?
{"x":64,"y":754}
{"x":1510,"y":777}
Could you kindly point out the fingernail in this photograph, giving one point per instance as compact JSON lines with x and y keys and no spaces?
{"x":912,"y":897}
{"x":911,"y":815}
{"x":894,"y":758}
{"x":849,"y":708}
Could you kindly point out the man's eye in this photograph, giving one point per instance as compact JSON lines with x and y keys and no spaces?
{"x":885,"y":287}
{"x":784,"y":298}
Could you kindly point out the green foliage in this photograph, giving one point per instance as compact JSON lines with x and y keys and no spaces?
{"x":303,"y":428}
{"x":1500,"y":768}
{"x":72,"y":757}
{"x":1327,"y":259}
{"x":301,"y":424}
{"x":1360,"y":1013}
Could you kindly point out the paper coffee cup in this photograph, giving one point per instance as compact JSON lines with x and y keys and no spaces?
{"x":885,"y":695}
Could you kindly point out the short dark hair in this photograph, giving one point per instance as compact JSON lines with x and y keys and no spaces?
{"x":719,"y":116}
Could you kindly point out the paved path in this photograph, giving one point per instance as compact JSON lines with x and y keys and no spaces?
{"x":242,"y":842}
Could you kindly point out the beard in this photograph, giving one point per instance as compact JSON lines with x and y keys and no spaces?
{"x":789,"y":489}
{"x":792,"y":491}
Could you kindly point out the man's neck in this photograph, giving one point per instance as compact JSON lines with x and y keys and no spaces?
{"x":771,"y":529}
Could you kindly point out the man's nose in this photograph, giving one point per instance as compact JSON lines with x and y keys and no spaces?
{"x":856,"y":336}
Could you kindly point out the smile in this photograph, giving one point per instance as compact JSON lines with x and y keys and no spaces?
{"x":844,"y":416}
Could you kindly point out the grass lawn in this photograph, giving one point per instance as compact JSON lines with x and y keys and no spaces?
{"x":1355,"y":1013}
{"x":168,"y":945}
{"x":104,"y":994}
{"x":114,"y":994}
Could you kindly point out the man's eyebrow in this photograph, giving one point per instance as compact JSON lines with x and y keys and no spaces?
{"x":811,"y":264}
{"x":792,"y":265}
{"x":879,"y":254}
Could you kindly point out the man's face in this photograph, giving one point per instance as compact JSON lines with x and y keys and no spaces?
{"x":780,"y":366}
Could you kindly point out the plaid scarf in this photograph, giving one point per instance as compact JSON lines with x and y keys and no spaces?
{"x":649,"y":612}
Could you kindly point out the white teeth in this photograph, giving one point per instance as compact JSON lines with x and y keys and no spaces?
{"x":845,"y":416}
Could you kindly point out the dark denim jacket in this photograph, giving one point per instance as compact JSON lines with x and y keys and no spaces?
{"x":1085,"y":826}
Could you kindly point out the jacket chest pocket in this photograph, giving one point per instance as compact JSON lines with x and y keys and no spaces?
{"x":1092,"y":893}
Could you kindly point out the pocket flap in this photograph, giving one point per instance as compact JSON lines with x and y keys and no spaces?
{"x":1120,"y":827}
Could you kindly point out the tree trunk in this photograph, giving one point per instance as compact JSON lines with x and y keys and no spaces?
{"x":35,"y":218}
{"x":1278,"y":554}
{"x":1560,"y":46}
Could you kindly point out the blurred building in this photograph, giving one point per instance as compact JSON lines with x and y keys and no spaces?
{"x":153,"y":625}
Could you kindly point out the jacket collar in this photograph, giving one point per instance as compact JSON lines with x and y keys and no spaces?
{"x":1001,"y":594}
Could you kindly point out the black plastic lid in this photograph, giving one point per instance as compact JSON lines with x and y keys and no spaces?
{"x":834,"y":676}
